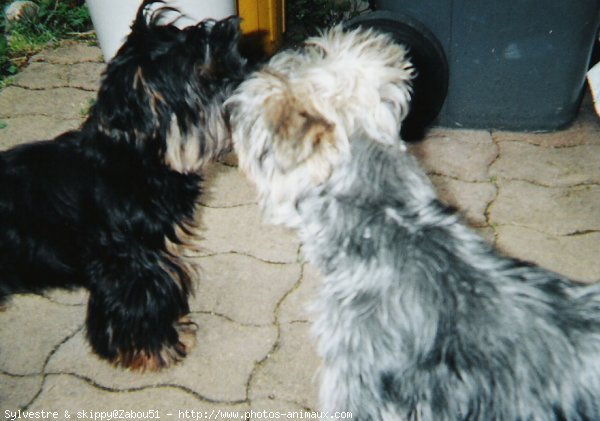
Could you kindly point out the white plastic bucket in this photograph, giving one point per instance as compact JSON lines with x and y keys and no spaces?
{"x":112,"y":18}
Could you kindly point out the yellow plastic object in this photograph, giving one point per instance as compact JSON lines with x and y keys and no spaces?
{"x":264,"y":16}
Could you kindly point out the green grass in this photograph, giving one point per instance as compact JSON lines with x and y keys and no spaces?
{"x":56,"y":20}
{"x":85,"y":111}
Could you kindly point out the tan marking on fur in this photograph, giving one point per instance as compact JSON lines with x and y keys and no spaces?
{"x":183,"y":152}
{"x":183,"y":254}
{"x":302,"y":138}
{"x":139,"y":81}
{"x":156,"y":98}
{"x":142,"y":361}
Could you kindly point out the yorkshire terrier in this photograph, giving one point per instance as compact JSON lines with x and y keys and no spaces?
{"x":111,"y":206}
{"x":419,"y":318}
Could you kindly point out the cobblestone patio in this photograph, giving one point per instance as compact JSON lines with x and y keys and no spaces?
{"x":536,"y":195}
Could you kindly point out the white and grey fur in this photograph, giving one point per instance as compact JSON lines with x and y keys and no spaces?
{"x":419,"y":318}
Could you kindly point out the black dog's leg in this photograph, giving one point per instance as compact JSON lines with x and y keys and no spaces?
{"x":137,"y":312}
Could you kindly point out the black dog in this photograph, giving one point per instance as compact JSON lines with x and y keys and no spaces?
{"x":111,"y":206}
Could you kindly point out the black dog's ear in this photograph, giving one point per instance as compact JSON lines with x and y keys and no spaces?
{"x":128,"y":102}
{"x":225,"y":34}
{"x":149,"y":16}
{"x":225,"y":60}
{"x":142,"y":20}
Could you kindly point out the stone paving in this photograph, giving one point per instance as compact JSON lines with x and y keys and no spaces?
{"x":536,"y":195}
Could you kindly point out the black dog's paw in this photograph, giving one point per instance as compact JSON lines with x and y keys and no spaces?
{"x":168,"y":355}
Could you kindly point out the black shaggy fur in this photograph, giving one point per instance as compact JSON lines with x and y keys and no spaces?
{"x":104,"y":207}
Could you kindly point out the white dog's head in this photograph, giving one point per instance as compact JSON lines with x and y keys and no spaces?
{"x":292,"y":119}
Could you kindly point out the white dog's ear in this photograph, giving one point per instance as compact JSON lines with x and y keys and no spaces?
{"x":300,"y":135}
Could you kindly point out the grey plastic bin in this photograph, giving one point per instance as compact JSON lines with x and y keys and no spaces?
{"x":517,"y":65}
